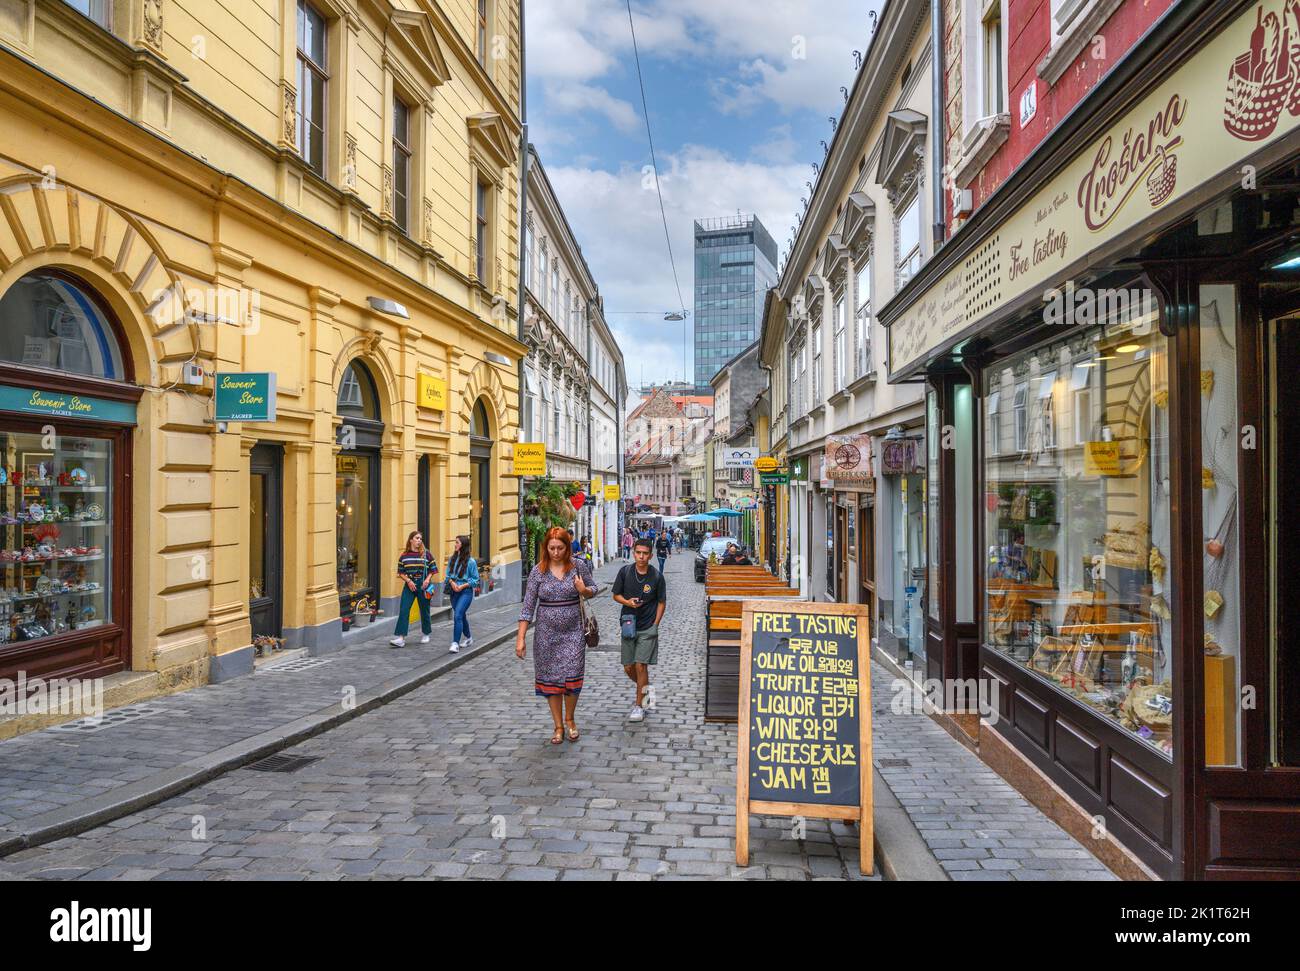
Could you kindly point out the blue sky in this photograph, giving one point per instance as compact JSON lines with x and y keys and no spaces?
{"x":739,"y":94}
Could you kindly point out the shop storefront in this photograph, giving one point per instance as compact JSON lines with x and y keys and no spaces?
{"x":67,"y":411}
{"x":1117,"y":331}
{"x":357,"y":492}
{"x":901,"y":574}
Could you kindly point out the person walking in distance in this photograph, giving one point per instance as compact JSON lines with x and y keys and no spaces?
{"x":663,"y":548}
{"x":462,"y":581}
{"x":551,"y":603}
{"x":641,"y":591}
{"x":628,"y":540}
{"x":416,"y":568}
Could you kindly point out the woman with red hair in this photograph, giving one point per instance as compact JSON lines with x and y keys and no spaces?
{"x":559,"y":644}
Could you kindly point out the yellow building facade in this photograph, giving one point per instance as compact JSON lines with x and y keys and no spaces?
{"x":325,"y":191}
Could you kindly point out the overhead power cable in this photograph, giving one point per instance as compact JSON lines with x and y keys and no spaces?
{"x":645,"y":110}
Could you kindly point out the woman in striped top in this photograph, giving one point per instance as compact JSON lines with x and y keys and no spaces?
{"x":416,"y":568}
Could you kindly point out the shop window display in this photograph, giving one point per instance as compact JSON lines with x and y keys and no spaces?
{"x":1079,"y":576}
{"x":55,"y":534}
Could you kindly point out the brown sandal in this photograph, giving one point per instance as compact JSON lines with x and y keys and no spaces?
{"x":557,"y":736}
{"x":573,"y":731}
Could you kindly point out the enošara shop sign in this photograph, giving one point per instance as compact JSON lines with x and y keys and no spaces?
{"x":804,"y":740}
{"x":1240,"y":91}
{"x":61,"y":404}
{"x":246,"y":397}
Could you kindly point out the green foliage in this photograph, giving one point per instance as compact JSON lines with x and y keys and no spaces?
{"x":546,"y":504}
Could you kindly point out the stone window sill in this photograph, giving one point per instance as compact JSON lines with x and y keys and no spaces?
{"x":1081,"y":29}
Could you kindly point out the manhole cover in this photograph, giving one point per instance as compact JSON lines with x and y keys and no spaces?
{"x":294,"y":665}
{"x":284,"y":763}
{"x":893,"y":763}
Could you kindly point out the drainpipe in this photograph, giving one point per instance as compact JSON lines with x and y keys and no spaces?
{"x":937,"y":149}
{"x":524,"y":552}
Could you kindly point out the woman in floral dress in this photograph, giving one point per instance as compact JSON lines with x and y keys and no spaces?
{"x":560,"y":646}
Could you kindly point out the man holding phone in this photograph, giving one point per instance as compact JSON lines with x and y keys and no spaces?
{"x":641,"y":590}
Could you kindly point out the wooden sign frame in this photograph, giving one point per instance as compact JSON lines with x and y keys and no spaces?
{"x":861,"y":813}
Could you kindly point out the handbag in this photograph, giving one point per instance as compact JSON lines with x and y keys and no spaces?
{"x":590,"y":630}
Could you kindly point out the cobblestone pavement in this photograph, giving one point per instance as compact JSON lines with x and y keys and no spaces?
{"x":49,"y":769}
{"x":458,"y":779}
{"x":975,"y":824}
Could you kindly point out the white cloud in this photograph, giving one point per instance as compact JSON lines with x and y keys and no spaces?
{"x":588,"y":98}
{"x":617,"y":222}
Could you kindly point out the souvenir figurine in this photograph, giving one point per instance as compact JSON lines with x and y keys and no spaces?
{"x":4,"y":477}
{"x":65,"y":479}
{"x":79,"y":476}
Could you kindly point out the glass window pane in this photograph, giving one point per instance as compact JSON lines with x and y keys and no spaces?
{"x":49,"y":322}
{"x":353,"y":499}
{"x":257,"y":536}
{"x":1079,"y":581}
{"x":1219,"y":512}
{"x":56,"y":510}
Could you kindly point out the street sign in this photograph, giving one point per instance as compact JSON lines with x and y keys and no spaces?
{"x":432,"y":392}
{"x":530,"y":458}
{"x":774,"y":478}
{"x":739,"y":458}
{"x":804,"y":746}
{"x":245,"y":397}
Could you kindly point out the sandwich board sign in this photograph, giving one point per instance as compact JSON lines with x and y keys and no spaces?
{"x":805,"y":717}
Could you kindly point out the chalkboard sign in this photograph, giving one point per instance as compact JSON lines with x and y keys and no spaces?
{"x":805,"y":716}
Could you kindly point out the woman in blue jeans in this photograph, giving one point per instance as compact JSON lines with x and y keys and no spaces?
{"x":416,"y":569}
{"x":462,"y":577}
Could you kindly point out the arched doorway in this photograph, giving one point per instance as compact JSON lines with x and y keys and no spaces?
{"x":356,"y":477}
{"x":480,"y":483}
{"x":66,"y":412}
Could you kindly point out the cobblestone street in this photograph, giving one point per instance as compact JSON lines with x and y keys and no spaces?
{"x":458,"y":779}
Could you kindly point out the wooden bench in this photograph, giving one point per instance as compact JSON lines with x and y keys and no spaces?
{"x":726,"y":588}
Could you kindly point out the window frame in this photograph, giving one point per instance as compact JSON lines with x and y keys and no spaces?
{"x":305,"y":64}
{"x":483,"y":206}
{"x":402,"y":151}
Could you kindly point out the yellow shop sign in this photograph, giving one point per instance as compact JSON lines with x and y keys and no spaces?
{"x":432,"y":392}
{"x":530,"y":458}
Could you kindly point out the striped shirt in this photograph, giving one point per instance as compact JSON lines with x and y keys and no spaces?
{"x":416,"y":566}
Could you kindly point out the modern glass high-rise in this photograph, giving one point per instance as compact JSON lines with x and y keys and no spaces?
{"x":735,"y":265}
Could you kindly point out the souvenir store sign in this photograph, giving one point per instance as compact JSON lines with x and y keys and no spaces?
{"x":246,"y":397}
{"x":1238,"y":93}
{"x":804,"y":744}
{"x":59,"y":404}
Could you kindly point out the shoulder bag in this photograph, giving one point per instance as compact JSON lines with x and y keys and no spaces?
{"x":590,"y":631}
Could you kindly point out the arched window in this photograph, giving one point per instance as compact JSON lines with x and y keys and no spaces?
{"x":357,"y":396}
{"x":48,"y":320}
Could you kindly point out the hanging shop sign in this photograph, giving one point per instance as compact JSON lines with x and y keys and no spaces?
{"x":431,"y":392}
{"x":739,"y":458}
{"x":766,"y":463}
{"x":530,"y":459}
{"x":898,"y":458}
{"x":612,"y":492}
{"x":1101,"y":458}
{"x":848,"y":459}
{"x":804,"y":728}
{"x":597,"y":486}
{"x":60,"y":404}
{"x":245,"y":396}
{"x":799,"y":469}
{"x":1238,"y":93}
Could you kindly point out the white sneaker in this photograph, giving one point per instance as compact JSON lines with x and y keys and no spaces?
{"x":467,"y":642}
{"x":424,"y":639}
{"x":637,"y":714}
{"x":455,"y":648}
{"x":397,"y":641}
{"x":650,"y":701}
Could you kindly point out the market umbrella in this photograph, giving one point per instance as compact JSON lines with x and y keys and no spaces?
{"x":700,"y":517}
{"x":727,"y":512}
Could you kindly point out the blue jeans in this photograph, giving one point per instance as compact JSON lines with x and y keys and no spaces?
{"x":459,"y":606}
{"x":661,"y":563}
{"x":404,"y":611}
